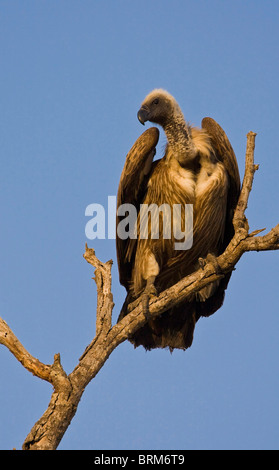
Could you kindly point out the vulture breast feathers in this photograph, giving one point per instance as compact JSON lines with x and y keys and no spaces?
{"x":198,"y":171}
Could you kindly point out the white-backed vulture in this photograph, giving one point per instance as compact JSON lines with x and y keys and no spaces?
{"x":199,"y":168}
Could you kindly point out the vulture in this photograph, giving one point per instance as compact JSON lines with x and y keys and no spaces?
{"x":199,"y":170}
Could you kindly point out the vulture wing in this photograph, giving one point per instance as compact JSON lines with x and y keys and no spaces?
{"x":225,"y":154}
{"x":131,"y":190}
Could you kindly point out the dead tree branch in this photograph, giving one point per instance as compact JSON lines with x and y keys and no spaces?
{"x":68,"y":389}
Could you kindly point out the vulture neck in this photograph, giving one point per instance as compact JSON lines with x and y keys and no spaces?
{"x":180,"y":144}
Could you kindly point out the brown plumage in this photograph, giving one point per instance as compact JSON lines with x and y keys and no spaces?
{"x":199,"y":168}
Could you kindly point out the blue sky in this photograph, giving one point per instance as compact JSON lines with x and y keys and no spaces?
{"x":73,"y":74}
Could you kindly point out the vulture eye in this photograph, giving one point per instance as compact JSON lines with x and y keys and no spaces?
{"x":156,"y":101}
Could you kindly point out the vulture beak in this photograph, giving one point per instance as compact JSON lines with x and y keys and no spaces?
{"x":143,"y":115}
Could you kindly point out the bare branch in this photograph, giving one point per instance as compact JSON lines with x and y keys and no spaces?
{"x":239,"y":220}
{"x":103,"y":281}
{"x":265,"y":243}
{"x":8,"y":339}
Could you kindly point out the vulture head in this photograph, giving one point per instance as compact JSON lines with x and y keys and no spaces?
{"x":159,"y":107}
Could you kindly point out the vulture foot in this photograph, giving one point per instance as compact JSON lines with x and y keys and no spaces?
{"x":210,"y":259}
{"x":149,"y":292}
{"x":213,"y":259}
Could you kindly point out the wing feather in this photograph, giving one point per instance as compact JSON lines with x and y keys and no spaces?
{"x":132,"y":187}
{"x":225,"y":154}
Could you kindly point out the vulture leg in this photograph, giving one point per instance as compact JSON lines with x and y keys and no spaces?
{"x":149,"y":291}
{"x":211,"y":258}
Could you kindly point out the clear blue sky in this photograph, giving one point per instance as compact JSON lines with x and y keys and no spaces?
{"x":73,"y":74}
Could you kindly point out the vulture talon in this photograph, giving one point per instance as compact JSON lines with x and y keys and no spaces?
{"x":145,"y":306}
{"x":202,"y":263}
{"x":213,"y":259}
{"x":149,"y":292}
{"x":133,"y":305}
